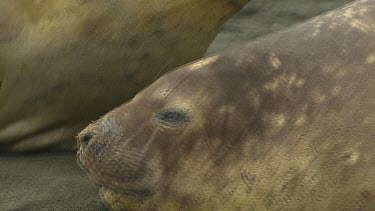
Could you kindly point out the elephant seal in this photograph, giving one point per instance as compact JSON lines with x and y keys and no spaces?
{"x":285,"y":122}
{"x":63,"y":63}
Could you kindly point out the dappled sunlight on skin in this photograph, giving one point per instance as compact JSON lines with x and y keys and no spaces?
{"x":348,"y":17}
{"x":336,"y":90}
{"x":301,"y":120}
{"x":291,"y":128}
{"x":201,"y":64}
{"x":371,"y":58}
{"x":280,"y":82}
{"x":361,"y":26}
{"x":239,"y":59}
{"x":275,"y":121}
{"x":318,"y":96}
{"x":274,"y":60}
{"x":317,"y":28}
{"x":351,"y":157}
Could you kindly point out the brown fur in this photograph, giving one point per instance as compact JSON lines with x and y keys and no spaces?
{"x":286,"y":122}
{"x":64,"y":63}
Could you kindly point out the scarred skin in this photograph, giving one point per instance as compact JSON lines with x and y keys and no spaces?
{"x":64,"y":63}
{"x":285,"y":122}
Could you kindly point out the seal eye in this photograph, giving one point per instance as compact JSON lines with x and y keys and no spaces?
{"x":172,"y":117}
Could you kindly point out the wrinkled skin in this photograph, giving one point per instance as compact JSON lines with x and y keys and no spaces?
{"x":63,"y":63}
{"x":286,"y":122}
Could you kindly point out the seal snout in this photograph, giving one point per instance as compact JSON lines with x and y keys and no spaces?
{"x":92,"y":141}
{"x":86,"y":138}
{"x":90,"y":135}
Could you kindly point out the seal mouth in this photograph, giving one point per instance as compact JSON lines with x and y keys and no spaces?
{"x":90,"y":174}
{"x":140,"y":194}
{"x":80,"y":164}
{"x":124,"y":200}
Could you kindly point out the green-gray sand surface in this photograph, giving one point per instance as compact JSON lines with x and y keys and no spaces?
{"x":261,"y":17}
{"x":55,"y":182}
{"x":45,"y":182}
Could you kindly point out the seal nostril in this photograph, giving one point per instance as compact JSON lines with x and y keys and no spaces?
{"x":87,"y":137}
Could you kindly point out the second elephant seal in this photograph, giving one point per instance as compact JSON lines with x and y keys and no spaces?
{"x":63,"y":63}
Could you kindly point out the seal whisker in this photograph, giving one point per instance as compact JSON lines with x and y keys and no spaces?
{"x":157,"y":76}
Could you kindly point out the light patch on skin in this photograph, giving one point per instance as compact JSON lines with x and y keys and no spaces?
{"x":330,"y":15}
{"x":271,"y":86}
{"x":348,"y":13}
{"x":360,"y":25}
{"x":318,"y":97}
{"x":318,"y":24}
{"x":300,"y":83}
{"x":348,"y":17}
{"x":317,"y":27}
{"x":275,"y":121}
{"x":274,"y":60}
{"x":284,"y":80}
{"x":302,"y":117}
{"x":301,"y":120}
{"x":333,"y":25}
{"x":316,"y":33}
{"x":351,"y":157}
{"x":203,"y":63}
{"x":371,"y":58}
{"x":291,"y":79}
{"x":181,"y":103}
{"x":336,"y":90}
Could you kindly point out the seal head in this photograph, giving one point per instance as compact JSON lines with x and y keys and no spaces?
{"x":146,"y":149}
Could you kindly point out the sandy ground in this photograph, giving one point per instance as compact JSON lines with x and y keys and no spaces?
{"x":261,"y":17}
{"x":45,"y":182}
{"x":55,"y":182}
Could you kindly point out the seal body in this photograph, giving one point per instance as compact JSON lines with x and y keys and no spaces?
{"x":285,"y":122}
{"x":64,"y":63}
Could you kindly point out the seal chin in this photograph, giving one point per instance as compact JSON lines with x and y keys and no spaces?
{"x":126,"y":200}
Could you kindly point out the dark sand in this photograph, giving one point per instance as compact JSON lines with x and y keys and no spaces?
{"x":55,"y":182}
{"x":45,"y":182}
{"x":261,"y":17}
